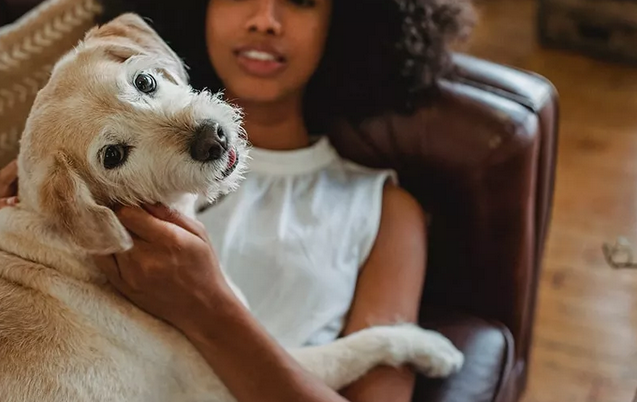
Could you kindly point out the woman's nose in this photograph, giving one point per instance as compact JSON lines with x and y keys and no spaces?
{"x":265,"y":18}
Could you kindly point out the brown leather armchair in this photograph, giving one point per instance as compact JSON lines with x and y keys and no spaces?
{"x":481,"y":160}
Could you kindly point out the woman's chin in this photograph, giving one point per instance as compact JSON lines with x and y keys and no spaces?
{"x":258,"y":92}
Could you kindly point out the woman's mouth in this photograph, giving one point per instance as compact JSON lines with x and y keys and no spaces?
{"x":261,"y":62}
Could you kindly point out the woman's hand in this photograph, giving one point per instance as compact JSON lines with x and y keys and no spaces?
{"x":9,"y":185}
{"x":173,"y":274}
{"x":172,"y":271}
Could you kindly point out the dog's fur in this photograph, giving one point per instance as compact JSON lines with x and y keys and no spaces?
{"x":65,"y":335}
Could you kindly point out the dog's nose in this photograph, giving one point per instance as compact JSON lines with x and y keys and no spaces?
{"x":210,"y":143}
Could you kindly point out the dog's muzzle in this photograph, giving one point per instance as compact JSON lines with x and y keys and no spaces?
{"x":210,"y":142}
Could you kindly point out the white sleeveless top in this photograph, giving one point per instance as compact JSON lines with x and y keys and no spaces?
{"x":294,"y":235}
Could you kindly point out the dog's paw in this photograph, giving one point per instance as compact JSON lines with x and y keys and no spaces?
{"x":438,"y":357}
{"x":433,"y":354}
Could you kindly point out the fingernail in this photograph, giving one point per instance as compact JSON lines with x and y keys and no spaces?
{"x":12,"y":201}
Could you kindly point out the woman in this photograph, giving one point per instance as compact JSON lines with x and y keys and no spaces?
{"x":321,"y":247}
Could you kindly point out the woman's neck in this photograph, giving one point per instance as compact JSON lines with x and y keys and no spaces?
{"x":275,"y":126}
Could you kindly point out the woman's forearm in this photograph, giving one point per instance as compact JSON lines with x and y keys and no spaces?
{"x":247,"y":360}
{"x":383,"y":384}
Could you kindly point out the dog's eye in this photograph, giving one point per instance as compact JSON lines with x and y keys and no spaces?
{"x":114,"y":156}
{"x":145,"y":83}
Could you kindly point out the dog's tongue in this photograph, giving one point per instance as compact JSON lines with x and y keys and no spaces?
{"x":232,"y":158}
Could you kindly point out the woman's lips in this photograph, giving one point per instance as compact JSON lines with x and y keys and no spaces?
{"x":260,"y":61}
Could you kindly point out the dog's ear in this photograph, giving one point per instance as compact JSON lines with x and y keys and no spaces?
{"x":74,"y":214}
{"x":129,"y":35}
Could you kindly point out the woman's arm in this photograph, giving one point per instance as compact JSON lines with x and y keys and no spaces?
{"x":389,"y":290}
{"x":251,"y":364}
{"x":172,"y":273}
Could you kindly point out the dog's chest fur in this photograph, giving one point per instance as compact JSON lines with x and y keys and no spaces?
{"x":84,"y":343}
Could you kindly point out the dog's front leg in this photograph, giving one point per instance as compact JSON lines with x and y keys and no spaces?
{"x":347,"y":359}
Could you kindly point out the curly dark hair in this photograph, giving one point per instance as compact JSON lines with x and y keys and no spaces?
{"x":380,"y":55}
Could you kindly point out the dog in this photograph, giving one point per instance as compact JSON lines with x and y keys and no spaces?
{"x":118,"y":124}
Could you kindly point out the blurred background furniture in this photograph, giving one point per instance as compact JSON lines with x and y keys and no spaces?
{"x":606,"y":29}
{"x":481,"y":160}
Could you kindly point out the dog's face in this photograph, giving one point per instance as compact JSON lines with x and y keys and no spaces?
{"x":118,"y":124}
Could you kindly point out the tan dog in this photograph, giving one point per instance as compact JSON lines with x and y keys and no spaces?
{"x":118,"y":124}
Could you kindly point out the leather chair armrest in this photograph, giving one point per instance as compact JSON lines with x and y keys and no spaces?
{"x":488,"y":348}
{"x":538,"y":95}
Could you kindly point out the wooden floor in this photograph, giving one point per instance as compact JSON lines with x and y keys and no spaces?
{"x":585,"y":347}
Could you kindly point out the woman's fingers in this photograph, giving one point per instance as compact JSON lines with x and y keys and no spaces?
{"x":8,"y":202}
{"x":159,"y":224}
{"x":121,"y":269}
{"x":144,"y":225}
{"x":110,"y":267}
{"x":164,"y":213}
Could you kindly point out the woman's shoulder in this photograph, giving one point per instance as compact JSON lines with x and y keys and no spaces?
{"x":386,"y":186}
